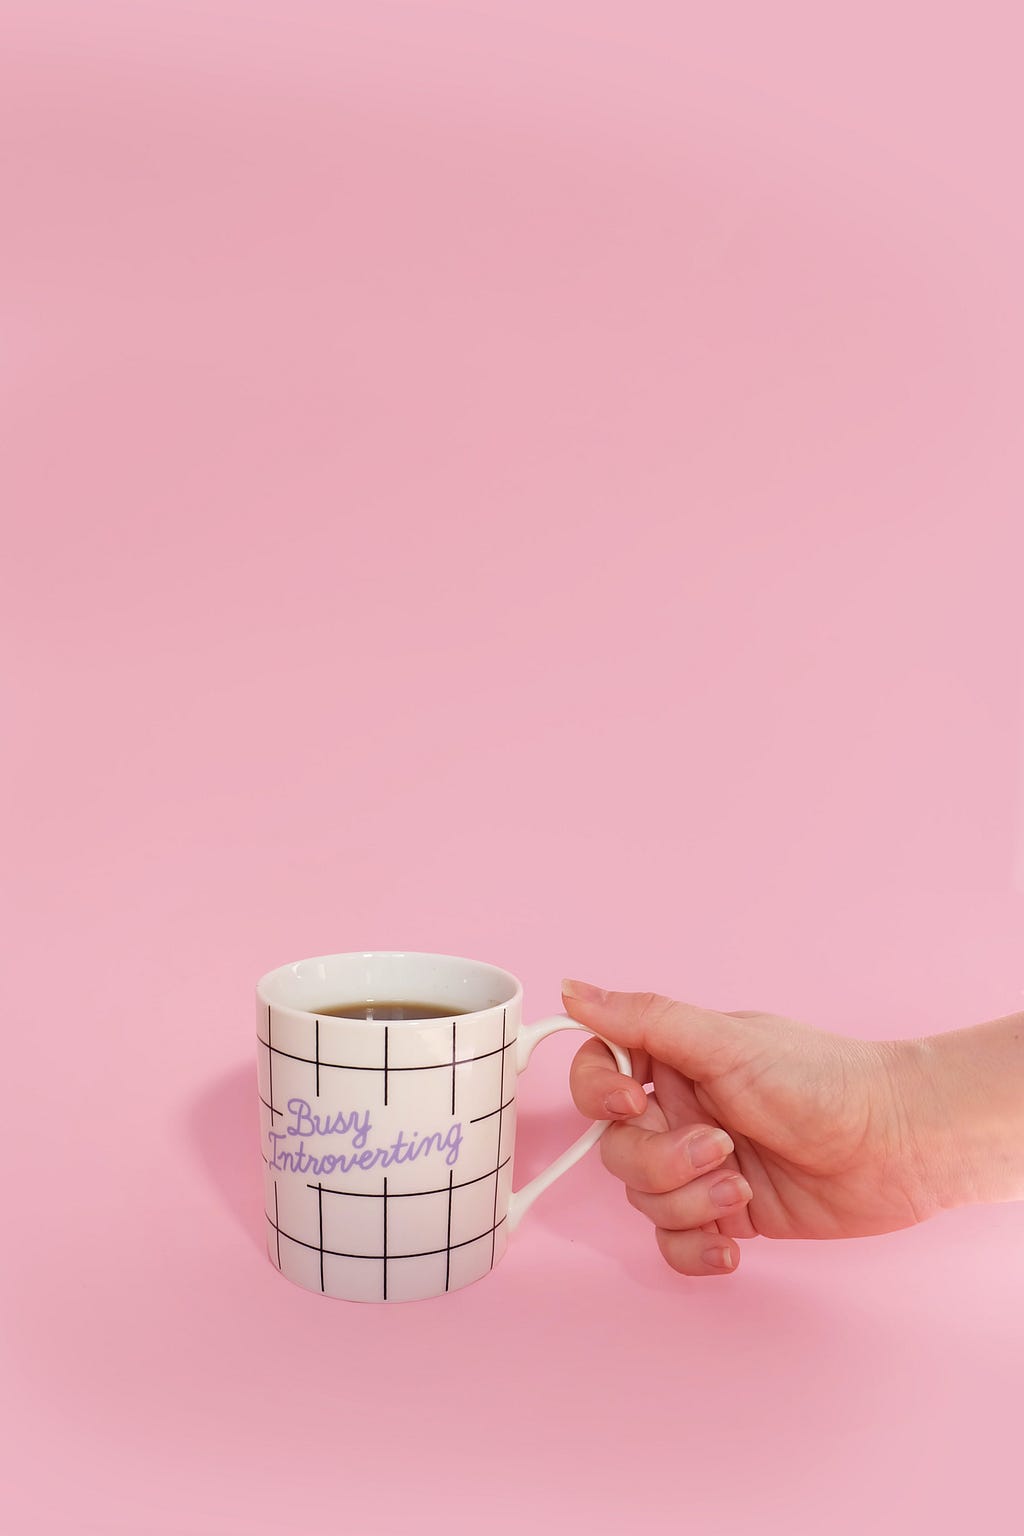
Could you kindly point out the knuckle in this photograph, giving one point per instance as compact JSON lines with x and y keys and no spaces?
{"x":651,"y":1164}
{"x":610,"y":1150}
{"x":586,"y":1058}
{"x":637,"y":1157}
{"x":670,"y":1251}
{"x":650,"y":1006}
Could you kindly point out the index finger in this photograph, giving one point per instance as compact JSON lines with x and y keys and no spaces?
{"x":595,"y":1083}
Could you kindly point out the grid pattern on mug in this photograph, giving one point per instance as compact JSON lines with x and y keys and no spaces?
{"x":346,"y":1230}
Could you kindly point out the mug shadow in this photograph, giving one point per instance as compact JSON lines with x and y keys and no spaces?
{"x":223,"y":1131}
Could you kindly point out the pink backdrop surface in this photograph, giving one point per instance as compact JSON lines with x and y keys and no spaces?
{"x":541,"y":483}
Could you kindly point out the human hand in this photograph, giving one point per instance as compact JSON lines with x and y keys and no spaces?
{"x":820,"y":1141}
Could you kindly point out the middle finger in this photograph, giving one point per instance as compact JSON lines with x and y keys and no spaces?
{"x":657,"y":1161}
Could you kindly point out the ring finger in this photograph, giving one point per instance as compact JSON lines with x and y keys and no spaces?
{"x":705,"y":1199}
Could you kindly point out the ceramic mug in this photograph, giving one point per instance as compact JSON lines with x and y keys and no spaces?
{"x":388,"y":1147}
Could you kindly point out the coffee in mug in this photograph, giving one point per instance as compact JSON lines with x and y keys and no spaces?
{"x":383,"y":1012}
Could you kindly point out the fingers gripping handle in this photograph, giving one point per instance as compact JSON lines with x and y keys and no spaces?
{"x":530,"y":1036}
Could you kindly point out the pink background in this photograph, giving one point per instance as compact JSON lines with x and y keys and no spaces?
{"x":540,"y":482}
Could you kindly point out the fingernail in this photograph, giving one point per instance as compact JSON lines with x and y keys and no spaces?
{"x":708,"y":1147}
{"x":621,"y":1103}
{"x":718,"y":1258}
{"x":730,"y":1192}
{"x":583,"y":990}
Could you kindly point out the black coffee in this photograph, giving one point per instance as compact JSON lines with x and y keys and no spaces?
{"x":387,"y":1012}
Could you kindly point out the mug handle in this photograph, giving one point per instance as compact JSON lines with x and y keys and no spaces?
{"x":530,"y":1036}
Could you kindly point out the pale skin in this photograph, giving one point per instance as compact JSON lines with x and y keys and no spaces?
{"x":758,"y":1125}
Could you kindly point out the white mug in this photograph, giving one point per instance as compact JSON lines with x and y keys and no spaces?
{"x":388,"y":1147}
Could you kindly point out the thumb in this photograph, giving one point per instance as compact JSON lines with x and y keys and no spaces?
{"x":697,"y":1041}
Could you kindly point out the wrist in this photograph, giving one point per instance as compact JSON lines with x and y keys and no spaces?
{"x":931,"y":1153}
{"x":960,"y":1100}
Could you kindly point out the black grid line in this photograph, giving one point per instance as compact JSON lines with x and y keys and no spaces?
{"x":385,"y":1095}
{"x":269,"y":1043}
{"x":454,"y":1064}
{"x":320,"y":1214}
{"x":427,"y":1066}
{"x":317,"y":1049}
{"x":388,"y":1258}
{"x":385,"y":1236}
{"x":277,"y":1225}
{"x":410,"y":1194}
{"x":497,"y":1154}
{"x":448,"y":1234}
{"x":492,"y":1112}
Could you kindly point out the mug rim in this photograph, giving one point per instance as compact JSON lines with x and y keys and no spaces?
{"x":290,"y":966}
